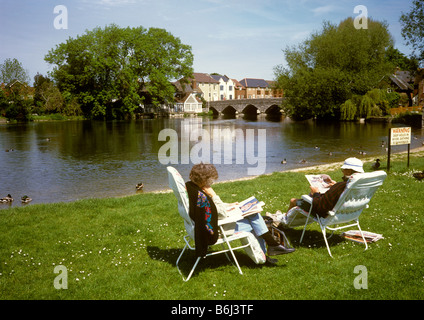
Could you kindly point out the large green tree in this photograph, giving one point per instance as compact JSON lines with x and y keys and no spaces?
{"x":413,"y":28}
{"x":113,"y":70}
{"x":332,"y":65}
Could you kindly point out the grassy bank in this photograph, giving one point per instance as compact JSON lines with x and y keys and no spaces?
{"x":126,"y":248}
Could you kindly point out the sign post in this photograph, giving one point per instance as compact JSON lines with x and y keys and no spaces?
{"x":398,"y":136}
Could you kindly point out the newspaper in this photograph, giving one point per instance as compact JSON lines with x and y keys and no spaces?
{"x":355,"y":235}
{"x":246,"y":207}
{"x":320,"y":181}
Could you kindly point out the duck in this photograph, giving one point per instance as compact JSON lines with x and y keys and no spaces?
{"x":418,"y":175}
{"x":26,"y":199}
{"x":139,"y":186}
{"x":303,"y":161}
{"x":284,"y":161}
{"x":7,"y":199}
{"x":376,"y":165}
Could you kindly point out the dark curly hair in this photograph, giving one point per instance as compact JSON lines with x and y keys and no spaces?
{"x":203,"y":174}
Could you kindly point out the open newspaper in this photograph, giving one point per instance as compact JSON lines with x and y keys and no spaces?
{"x":246,"y":207}
{"x":321,"y":181}
{"x":355,"y":235}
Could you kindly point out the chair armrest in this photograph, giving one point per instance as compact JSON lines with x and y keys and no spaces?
{"x":230,"y":219}
{"x":307,"y":198}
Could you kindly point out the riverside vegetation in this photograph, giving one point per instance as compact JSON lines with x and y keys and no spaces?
{"x":126,"y":248}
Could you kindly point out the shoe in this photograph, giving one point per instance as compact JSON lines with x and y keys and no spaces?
{"x":271,"y":261}
{"x":280,"y":249}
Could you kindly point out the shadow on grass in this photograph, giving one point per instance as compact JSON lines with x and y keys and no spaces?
{"x":311,"y":238}
{"x":209,"y":263}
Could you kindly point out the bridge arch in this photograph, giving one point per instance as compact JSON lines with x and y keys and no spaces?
{"x":252,"y":106}
{"x":250,"y":109}
{"x":273,"y":110}
{"x":229,"y":111}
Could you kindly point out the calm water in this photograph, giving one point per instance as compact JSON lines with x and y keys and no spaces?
{"x":67,"y":161}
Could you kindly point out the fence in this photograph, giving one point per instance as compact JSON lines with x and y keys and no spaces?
{"x":394,"y":111}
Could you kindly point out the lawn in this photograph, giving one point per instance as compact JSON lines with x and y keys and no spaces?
{"x":126,"y":248}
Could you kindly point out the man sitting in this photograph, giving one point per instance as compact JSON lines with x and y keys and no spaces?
{"x":323,"y":202}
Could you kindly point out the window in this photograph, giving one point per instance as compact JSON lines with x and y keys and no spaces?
{"x":230,"y":88}
{"x":221,"y":87}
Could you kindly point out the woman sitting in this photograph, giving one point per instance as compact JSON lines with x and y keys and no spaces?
{"x":202,"y":195}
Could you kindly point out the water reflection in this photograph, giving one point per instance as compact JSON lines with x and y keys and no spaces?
{"x":67,"y":161}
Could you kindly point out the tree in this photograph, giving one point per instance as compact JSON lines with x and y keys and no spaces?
{"x":12,"y":70}
{"x":112,"y":70}
{"x":331,"y":66}
{"x":413,"y":28}
{"x":399,"y":60}
{"x":19,"y":104}
{"x":374,"y":103}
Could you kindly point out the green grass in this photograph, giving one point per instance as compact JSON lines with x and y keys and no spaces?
{"x":126,"y":248}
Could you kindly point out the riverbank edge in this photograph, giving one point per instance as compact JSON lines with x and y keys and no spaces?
{"x":320,"y":167}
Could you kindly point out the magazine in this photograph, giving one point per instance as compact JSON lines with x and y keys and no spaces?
{"x":355,"y":235}
{"x":320,"y":181}
{"x":246,"y":207}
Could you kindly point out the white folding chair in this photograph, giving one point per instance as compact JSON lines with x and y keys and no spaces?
{"x":177,"y":184}
{"x":354,"y":199}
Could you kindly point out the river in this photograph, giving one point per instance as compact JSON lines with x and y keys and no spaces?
{"x":71,"y":160}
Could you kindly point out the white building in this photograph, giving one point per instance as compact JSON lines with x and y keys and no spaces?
{"x":188,"y":103}
{"x":226,"y":87}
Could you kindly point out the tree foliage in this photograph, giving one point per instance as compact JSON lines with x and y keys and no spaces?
{"x":375,"y":103}
{"x":12,"y":70}
{"x":113,"y":70}
{"x":413,"y":28}
{"x":399,"y":60}
{"x":331,"y":66}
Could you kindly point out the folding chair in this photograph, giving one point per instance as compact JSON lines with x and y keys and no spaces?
{"x":354,"y":199}
{"x":248,"y":241}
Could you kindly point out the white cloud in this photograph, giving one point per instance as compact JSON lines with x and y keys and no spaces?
{"x":324,"y":10}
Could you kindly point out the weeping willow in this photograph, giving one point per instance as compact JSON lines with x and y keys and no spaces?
{"x":348,"y":110}
{"x":366,"y":106}
{"x":373,"y":104}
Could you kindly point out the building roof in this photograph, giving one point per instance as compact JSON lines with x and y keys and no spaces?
{"x":218,"y":77}
{"x":254,"y":83}
{"x":402,"y":79}
{"x":237,"y":84}
{"x":204,"y":78}
{"x":186,"y":96}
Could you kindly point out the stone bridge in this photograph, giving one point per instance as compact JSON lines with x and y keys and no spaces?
{"x":246,"y":106}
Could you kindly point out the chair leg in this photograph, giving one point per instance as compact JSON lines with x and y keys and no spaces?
{"x":323,"y":230}
{"x":233,"y":255}
{"x":192,"y":270}
{"x":365,"y":241}
{"x":306,"y":223}
{"x":178,"y":260}
{"x":223,"y":248}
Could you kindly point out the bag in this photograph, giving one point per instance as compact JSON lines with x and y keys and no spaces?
{"x":277,"y":234}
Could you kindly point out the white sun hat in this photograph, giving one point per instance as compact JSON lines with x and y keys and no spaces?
{"x":354,"y":164}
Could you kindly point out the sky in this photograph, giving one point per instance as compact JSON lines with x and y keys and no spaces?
{"x":237,"y":38}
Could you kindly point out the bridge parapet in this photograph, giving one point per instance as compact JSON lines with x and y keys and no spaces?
{"x":262,"y":105}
